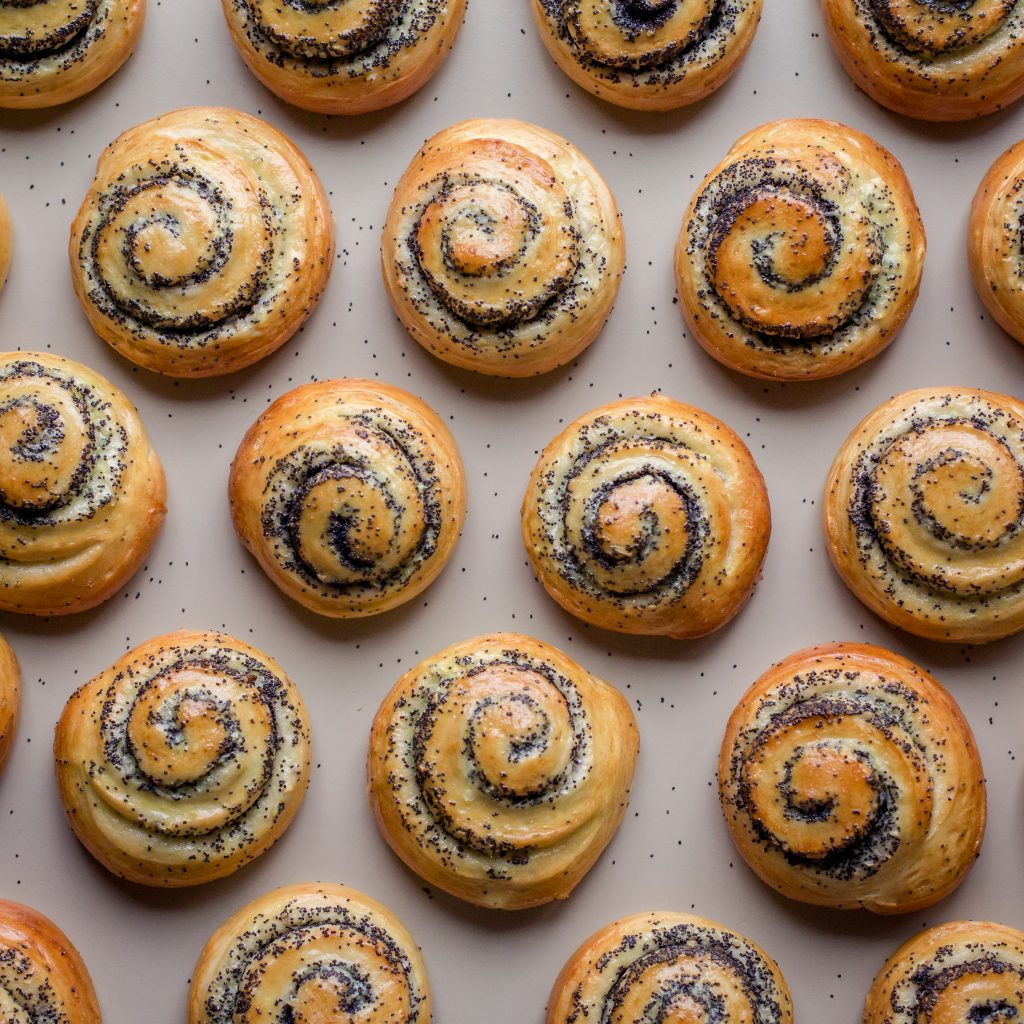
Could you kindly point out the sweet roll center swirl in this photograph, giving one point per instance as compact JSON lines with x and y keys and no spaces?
{"x":31,"y":29}
{"x":185,"y":244}
{"x":636,"y":34}
{"x":942,"y":27}
{"x":947,"y":503}
{"x":45,"y":444}
{"x":501,"y":735}
{"x":777,"y":257}
{"x":325,"y":30}
{"x":497,"y":239}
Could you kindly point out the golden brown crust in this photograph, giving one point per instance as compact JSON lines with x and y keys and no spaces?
{"x":42,"y":976}
{"x":995,"y":241}
{"x":684,"y":52}
{"x":674,"y":502}
{"x":517,"y":301}
{"x":350,"y":494}
{"x":801,"y":253}
{"x":499,"y":770}
{"x":960,"y":971}
{"x":183,"y":761}
{"x":923,"y":513}
{"x":298,"y":948}
{"x":10,"y":700}
{"x":673,"y":961}
{"x":850,"y":778}
{"x":931,"y":62}
{"x":359,"y":57}
{"x":203,"y":244}
{"x":82,"y":490}
{"x":55,"y":51}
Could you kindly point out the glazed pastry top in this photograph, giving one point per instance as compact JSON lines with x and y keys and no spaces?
{"x":204,"y":242}
{"x":499,"y":769}
{"x":850,"y":778}
{"x":184,"y":760}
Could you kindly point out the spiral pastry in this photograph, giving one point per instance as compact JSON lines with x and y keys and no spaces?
{"x":344,"y":56}
{"x":53,"y":51}
{"x":801,"y":253}
{"x":203,"y":244}
{"x":499,"y":770}
{"x":923,"y":513}
{"x":311,"y":953}
{"x":184,"y":760}
{"x":964,"y":972}
{"x":81,"y":490}
{"x":995,"y":241}
{"x":350,"y":494}
{"x":648,"y":54}
{"x":502,"y":250}
{"x":850,"y":778}
{"x":10,"y":704}
{"x":42,"y":977}
{"x":935,"y":60}
{"x":647,"y":516}
{"x":666,"y":967}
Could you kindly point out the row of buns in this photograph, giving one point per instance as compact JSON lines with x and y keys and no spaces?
{"x":644,"y":516}
{"x":206,"y":240}
{"x":940,"y":62}
{"x":498,"y":770}
{"x":328,"y":949}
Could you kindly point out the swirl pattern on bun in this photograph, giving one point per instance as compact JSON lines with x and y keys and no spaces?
{"x":850,"y":778}
{"x":648,"y":54}
{"x":502,"y":250}
{"x":924,"y":513}
{"x":961,"y":971}
{"x":81,"y":490}
{"x":670,"y":967}
{"x":936,"y":61}
{"x":351,"y":57}
{"x":350,"y":494}
{"x":648,"y":516}
{"x":53,"y":51}
{"x":42,"y":977}
{"x":184,"y":760}
{"x":311,"y":953}
{"x":204,"y":242}
{"x":499,"y":770}
{"x":801,"y":253}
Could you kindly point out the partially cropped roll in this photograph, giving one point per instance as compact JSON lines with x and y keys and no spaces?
{"x":10,"y":700}
{"x":502,"y":250}
{"x":81,"y":490}
{"x":184,"y":760}
{"x":53,"y":51}
{"x":350,"y":494}
{"x":936,"y":61}
{"x":995,"y":241}
{"x":344,"y":58}
{"x":499,"y":770}
{"x":964,"y":972}
{"x":670,"y":967}
{"x":648,"y":54}
{"x":850,"y":778}
{"x":648,"y":516}
{"x":42,"y":977}
{"x":203,"y":244}
{"x":924,"y":509}
{"x":313,"y":953}
{"x":801,"y":253}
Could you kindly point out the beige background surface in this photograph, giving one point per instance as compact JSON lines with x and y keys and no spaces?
{"x":673,"y":850}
